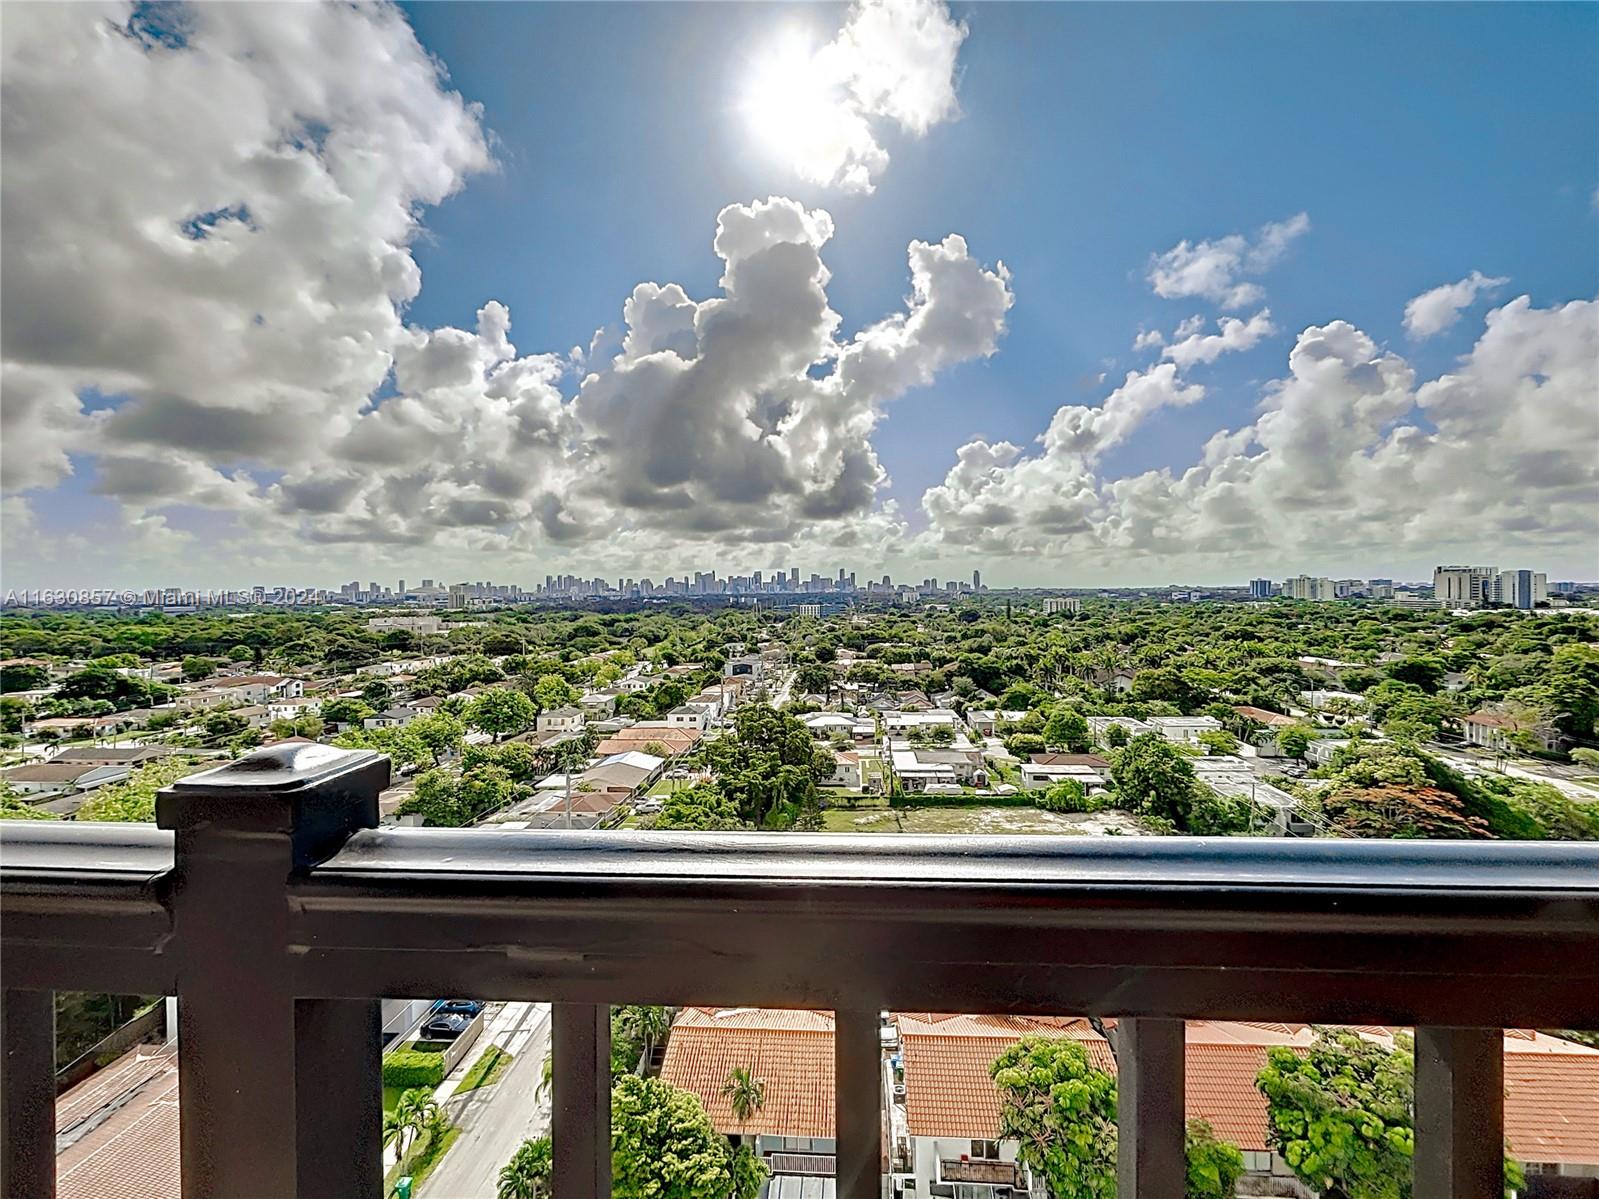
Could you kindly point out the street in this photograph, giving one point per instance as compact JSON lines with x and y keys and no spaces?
{"x":497,"y":1118}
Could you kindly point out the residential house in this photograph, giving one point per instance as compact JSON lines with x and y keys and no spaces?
{"x":1271,"y":724}
{"x":598,"y":704}
{"x":903,"y":722}
{"x":675,"y":739}
{"x":1184,"y":730}
{"x":747,"y":666}
{"x":1099,"y":725}
{"x":114,"y":755}
{"x":986,"y":721}
{"x":391,"y":718}
{"x":1490,"y":730}
{"x":824,"y":725}
{"x":791,"y":1053}
{"x":567,"y":719}
{"x":261,"y":688}
{"x":294,"y":707}
{"x":690,"y":716}
{"x":1045,"y":770}
{"x":847,"y":771}
{"x":919,"y":769}
{"x":41,"y":779}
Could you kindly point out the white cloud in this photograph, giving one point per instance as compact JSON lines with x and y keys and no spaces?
{"x":1148,"y":339}
{"x":816,"y":108}
{"x":1433,"y":311}
{"x":1235,"y":336}
{"x":1218,"y":270}
{"x":1348,"y":459}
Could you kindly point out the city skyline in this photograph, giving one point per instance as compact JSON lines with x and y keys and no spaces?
{"x":914,"y":306}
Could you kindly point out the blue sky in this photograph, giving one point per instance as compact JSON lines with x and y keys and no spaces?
{"x":1423,"y":140}
{"x":255,"y":322}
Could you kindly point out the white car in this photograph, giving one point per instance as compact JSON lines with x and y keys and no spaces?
{"x":647,"y":806}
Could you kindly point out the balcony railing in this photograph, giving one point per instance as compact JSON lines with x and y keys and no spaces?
{"x":271,"y":905}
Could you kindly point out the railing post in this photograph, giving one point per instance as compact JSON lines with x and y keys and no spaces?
{"x":1460,"y":1113}
{"x":28,"y":1095}
{"x":580,"y":1120}
{"x":858,"y":1102}
{"x":1150,"y":1161}
{"x":241,"y":831}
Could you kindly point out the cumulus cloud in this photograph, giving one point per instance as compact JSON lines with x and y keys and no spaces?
{"x":1219,"y":270}
{"x":241,"y":199}
{"x":1234,"y":336}
{"x":227,"y":243}
{"x":1348,"y":455}
{"x":1433,"y":311}
{"x":819,"y":109}
{"x":1148,"y":339}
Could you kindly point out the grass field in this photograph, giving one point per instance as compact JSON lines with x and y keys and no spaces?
{"x":972,"y":820}
{"x":493,"y":1062}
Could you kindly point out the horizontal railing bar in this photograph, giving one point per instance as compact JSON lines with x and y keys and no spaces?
{"x":134,"y":852}
{"x":1451,"y":867}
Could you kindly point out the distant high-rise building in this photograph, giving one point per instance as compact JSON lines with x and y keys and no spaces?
{"x":1062,"y":603}
{"x":401,"y":589}
{"x":1464,"y":586}
{"x":1308,"y":587}
{"x":1259,"y":588}
{"x":977,"y":580}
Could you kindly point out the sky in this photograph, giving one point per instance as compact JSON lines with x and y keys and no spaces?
{"x":1075,"y":294}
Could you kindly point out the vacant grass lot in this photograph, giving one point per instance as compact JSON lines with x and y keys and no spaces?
{"x":973,"y":820}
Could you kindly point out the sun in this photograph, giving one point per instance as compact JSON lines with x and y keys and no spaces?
{"x":798,"y":112}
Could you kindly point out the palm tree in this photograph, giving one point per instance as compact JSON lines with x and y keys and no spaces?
{"x":745,"y":1092}
{"x":527,"y":1174}
{"x":416,"y":1111}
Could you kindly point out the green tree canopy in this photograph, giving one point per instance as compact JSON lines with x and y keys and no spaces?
{"x":502,"y":710}
{"x":663,"y":1145}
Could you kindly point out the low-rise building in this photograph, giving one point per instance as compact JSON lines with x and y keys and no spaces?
{"x":986,"y":721}
{"x":1045,"y":770}
{"x":903,"y":722}
{"x":1184,"y":730}
{"x":690,"y":716}
{"x":1100,"y":725}
{"x":567,"y":719}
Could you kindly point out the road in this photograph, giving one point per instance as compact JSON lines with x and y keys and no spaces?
{"x":495,"y":1119}
{"x":1476,"y":764}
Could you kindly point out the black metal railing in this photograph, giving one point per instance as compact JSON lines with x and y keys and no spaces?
{"x":271,"y":905}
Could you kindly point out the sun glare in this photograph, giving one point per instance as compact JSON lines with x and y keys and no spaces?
{"x":796,"y":110}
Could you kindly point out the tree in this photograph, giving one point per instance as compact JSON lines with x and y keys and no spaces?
{"x":746,"y":1094}
{"x":748,"y":1172}
{"x":813,"y":678}
{"x":1294,"y":740}
{"x":23,"y":676}
{"x":224,"y":724}
{"x":1115,"y":736}
{"x":1426,"y":673}
{"x":552,"y":691}
{"x":1214,"y":1166}
{"x":1154,"y":779}
{"x":1343,"y":1115}
{"x":345,"y":711}
{"x":196,"y":668}
{"x":527,"y":1174}
{"x":133,"y":799}
{"x":663,"y":1145}
{"x":698,"y":809}
{"x":440,"y":732}
{"x":1062,"y":1110}
{"x":1218,"y":741}
{"x":1068,"y":795}
{"x":636,"y":1029}
{"x":1584,"y":756}
{"x":501,"y":710}
{"x":1069,"y":728}
{"x":414,"y":1112}
{"x":1023,"y":745}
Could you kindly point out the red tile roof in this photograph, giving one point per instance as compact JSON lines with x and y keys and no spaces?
{"x":125,"y":1118}
{"x":791,"y":1052}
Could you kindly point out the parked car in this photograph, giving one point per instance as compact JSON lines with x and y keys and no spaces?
{"x":446,"y":1028}
{"x":649,"y":805}
{"x":459,"y":1007}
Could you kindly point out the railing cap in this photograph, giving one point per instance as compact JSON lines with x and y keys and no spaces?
{"x":285,"y":770}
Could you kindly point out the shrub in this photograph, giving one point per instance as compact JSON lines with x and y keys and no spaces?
{"x":1068,"y":795}
{"x":406,"y":1068}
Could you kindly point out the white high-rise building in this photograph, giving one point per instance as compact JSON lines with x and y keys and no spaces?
{"x":1308,"y":587}
{"x":1464,"y":586}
